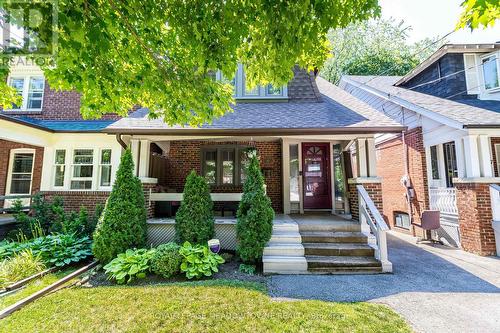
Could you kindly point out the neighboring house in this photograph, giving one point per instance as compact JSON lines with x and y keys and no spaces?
{"x":302,"y":131}
{"x":450,"y":151}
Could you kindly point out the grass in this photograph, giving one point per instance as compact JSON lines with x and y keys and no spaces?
{"x":211,"y":306}
{"x":32,"y":288}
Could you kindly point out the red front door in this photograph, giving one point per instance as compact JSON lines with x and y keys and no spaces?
{"x":316,"y":175}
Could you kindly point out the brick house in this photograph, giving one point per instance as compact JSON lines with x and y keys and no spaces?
{"x":311,"y":138}
{"x":447,"y":159}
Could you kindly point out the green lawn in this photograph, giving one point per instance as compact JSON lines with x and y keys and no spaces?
{"x":32,"y":288}
{"x":213,"y":306}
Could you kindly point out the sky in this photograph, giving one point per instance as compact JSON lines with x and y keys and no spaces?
{"x":433,"y":18}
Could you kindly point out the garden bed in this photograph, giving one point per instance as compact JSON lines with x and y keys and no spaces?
{"x":227,"y":271}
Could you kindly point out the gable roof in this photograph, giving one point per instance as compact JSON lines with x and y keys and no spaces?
{"x":61,"y":126}
{"x":338,"y":111}
{"x":458,"y":114}
{"x":445,"y":49}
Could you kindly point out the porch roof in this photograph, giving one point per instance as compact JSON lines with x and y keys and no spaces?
{"x":465,"y":113}
{"x":337,"y":112}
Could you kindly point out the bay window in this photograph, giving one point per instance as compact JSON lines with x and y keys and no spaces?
{"x":224,"y":165}
{"x":60,"y":167}
{"x":83,"y":169}
{"x":105,"y":166}
{"x":30,"y":88}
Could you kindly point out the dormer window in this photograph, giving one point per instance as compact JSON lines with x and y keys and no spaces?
{"x":490,"y":72}
{"x":31,"y":89}
{"x":243,"y":92}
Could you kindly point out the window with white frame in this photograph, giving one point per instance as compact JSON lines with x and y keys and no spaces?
{"x":21,"y":171}
{"x":60,"y":167}
{"x":31,"y":89}
{"x":491,"y":75}
{"x":105,"y":168}
{"x":83,"y":169}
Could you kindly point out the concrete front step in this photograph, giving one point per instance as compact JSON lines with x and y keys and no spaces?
{"x":285,"y":227}
{"x":343,"y":265}
{"x":284,"y":265}
{"x":333,"y":237}
{"x":285,"y":237}
{"x":284,"y":249}
{"x":338,"y":249}
{"x":336,"y":226}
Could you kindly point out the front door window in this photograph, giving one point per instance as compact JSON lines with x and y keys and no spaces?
{"x":317,"y":194}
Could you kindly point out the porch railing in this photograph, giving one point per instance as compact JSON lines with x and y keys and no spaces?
{"x":374,"y":226}
{"x":8,"y":200}
{"x":495,"y":212}
{"x":444,"y":200}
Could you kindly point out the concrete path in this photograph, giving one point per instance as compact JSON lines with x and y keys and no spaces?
{"x":435,"y":288}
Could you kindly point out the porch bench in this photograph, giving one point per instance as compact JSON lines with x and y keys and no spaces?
{"x":231,"y":200}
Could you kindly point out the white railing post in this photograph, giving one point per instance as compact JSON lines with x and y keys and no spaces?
{"x":495,"y":213}
{"x":373,"y":223}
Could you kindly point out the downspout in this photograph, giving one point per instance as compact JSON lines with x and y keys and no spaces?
{"x":406,"y":180}
{"x":120,"y":141}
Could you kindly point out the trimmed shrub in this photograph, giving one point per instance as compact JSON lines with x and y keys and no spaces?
{"x":255,"y":215}
{"x":194,"y":221}
{"x":123,"y":222}
{"x":166,"y":261}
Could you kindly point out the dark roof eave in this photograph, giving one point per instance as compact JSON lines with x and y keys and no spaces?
{"x":25,"y":123}
{"x":482,"y":126}
{"x":257,"y":131}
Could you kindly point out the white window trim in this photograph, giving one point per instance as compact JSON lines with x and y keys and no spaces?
{"x":25,"y":93}
{"x":11,"y":165}
{"x":94,"y":177}
{"x":483,"y":83}
{"x":100,"y":164}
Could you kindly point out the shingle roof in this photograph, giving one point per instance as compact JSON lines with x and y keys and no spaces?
{"x":461,"y":111}
{"x":63,"y":125}
{"x":338,"y":109}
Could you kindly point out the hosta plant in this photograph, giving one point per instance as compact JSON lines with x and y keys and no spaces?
{"x":198,"y":261}
{"x":133,"y":264}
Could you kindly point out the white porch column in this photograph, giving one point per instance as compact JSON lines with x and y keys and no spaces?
{"x":459,"y":150}
{"x":361,"y":158}
{"x":472,"y":165}
{"x":372,"y":157}
{"x":135,"y":148}
{"x":485,"y":154}
{"x":145,"y":149}
{"x":285,"y":149}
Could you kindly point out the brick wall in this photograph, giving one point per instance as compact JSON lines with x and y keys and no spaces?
{"x":150,"y":207}
{"x":391,"y":167}
{"x":185,"y":156}
{"x":5,"y":148}
{"x":74,"y":200}
{"x":494,"y":141}
{"x":474,"y":214}
{"x":374,"y":190}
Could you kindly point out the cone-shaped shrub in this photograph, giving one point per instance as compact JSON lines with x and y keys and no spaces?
{"x":194,"y":221}
{"x":255,"y":215}
{"x":123,"y":223}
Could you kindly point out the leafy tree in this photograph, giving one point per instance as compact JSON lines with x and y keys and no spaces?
{"x":123,"y":223}
{"x":374,"y":48}
{"x":255,"y":215}
{"x":159,"y":53}
{"x":479,"y":13}
{"x":194,"y":221}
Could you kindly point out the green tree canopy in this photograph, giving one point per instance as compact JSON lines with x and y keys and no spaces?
{"x":158,"y":53}
{"x":479,"y":13}
{"x":376,"y":47}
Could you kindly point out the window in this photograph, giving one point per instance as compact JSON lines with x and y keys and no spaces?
{"x":231,"y":82}
{"x":434,"y":162}
{"x":490,"y":72}
{"x":450,"y":162}
{"x":224,"y":165}
{"x":273,"y":91}
{"x":105,"y":168}
{"x":471,"y":74}
{"x":21,"y":172}
{"x":294,"y":172}
{"x":83,"y":169}
{"x":60,"y":166}
{"x":402,"y":220}
{"x":255,"y":91}
{"x":31,"y":89}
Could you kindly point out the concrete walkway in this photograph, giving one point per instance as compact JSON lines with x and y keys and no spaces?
{"x":435,"y":288}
